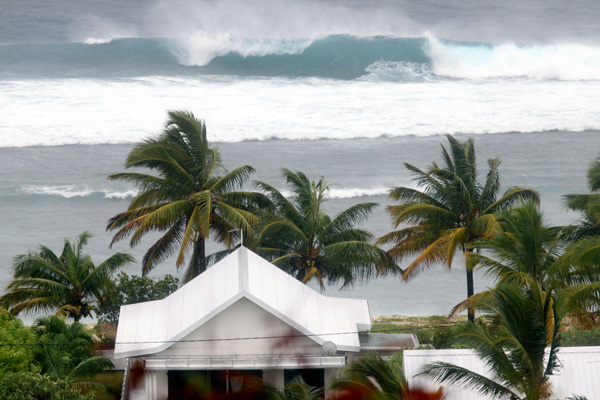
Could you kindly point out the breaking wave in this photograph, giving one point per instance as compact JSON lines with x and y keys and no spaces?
{"x":336,"y":57}
{"x":342,"y":193}
{"x":70,"y":191}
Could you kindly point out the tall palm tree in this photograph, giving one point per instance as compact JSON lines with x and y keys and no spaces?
{"x":451,"y":211}
{"x":588,"y":204}
{"x":68,"y":284}
{"x":190,"y":197}
{"x":523,"y":323}
{"x":306,"y":242}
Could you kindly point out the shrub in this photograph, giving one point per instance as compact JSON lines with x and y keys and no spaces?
{"x":32,"y":386}
{"x":581,"y":337}
{"x":16,"y":353}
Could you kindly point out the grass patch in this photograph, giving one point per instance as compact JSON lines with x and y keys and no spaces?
{"x":435,"y":330}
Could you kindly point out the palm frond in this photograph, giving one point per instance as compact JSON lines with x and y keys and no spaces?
{"x":433,"y":254}
{"x":441,"y":372}
{"x":511,"y":197}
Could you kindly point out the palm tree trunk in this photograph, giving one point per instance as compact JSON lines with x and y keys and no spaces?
{"x":470,"y":292}
{"x":200,"y":256}
{"x":197,"y":263}
{"x":470,"y":285}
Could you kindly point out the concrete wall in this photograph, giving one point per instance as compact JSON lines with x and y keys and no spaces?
{"x":243,"y":319}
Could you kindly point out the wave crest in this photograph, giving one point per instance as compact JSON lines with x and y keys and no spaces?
{"x":484,"y":61}
{"x":200,"y":50}
{"x":69,"y":191}
{"x":347,"y":193}
{"x":98,"y":40}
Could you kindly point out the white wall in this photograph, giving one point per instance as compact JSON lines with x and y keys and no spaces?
{"x":243,"y":319}
{"x":578,"y":374}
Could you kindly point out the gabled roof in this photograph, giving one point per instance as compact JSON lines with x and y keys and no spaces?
{"x":151,"y":327}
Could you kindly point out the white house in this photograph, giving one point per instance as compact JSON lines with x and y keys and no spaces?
{"x":579,"y":373}
{"x":241,"y":317}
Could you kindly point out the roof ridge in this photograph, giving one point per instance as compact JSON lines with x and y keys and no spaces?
{"x":243,"y":275}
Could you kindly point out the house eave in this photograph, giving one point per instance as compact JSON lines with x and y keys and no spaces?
{"x":247,"y":362}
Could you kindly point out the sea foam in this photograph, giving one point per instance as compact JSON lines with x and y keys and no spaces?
{"x":336,"y":192}
{"x":70,"y":191}
{"x":83,"y":111}
{"x":483,"y":61}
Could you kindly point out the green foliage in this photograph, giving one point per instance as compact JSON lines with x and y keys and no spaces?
{"x":372,"y":377}
{"x":66,"y":350}
{"x":303,"y":240}
{"x":31,"y":386}
{"x":439,"y":335}
{"x":190,"y":198}
{"x":442,"y":337}
{"x":588,"y":205}
{"x":67,"y":285}
{"x":524,"y":249}
{"x":581,"y":337}
{"x":295,"y":390}
{"x":15,"y":358}
{"x":130,"y":289}
{"x":63,"y":345}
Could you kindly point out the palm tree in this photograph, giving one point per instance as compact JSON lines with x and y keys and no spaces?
{"x":306,"y":242}
{"x":68,"y":284}
{"x":588,"y":204}
{"x":190,"y":197}
{"x":523,"y":323}
{"x":450,"y":212}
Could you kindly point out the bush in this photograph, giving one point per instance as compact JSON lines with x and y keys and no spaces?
{"x":32,"y":386}
{"x":131,"y":289}
{"x":16,"y":355}
{"x":581,"y":337}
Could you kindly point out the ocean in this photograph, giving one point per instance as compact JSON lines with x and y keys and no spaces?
{"x":346,"y":90}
